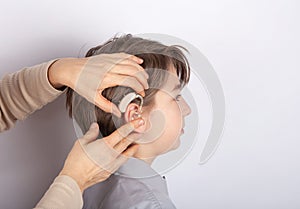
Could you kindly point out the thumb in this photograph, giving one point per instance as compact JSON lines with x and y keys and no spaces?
{"x":91,"y":134}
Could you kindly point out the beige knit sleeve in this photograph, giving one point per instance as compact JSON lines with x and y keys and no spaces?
{"x":24,"y":92}
{"x":64,"y":193}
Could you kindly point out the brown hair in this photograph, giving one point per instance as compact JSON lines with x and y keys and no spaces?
{"x":155,"y":56}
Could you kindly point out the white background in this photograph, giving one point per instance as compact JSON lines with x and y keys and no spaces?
{"x":253,"y":46}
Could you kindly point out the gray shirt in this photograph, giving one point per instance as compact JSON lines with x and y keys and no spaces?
{"x":134,"y":186}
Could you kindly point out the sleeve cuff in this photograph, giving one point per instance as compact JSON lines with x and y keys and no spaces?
{"x":64,"y":193}
{"x":73,"y":186}
{"x":45,"y":80}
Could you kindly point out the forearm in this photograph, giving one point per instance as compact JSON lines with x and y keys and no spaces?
{"x":24,"y":92}
{"x":64,"y":193}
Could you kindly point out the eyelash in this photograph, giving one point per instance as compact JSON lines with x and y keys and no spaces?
{"x":178,"y":97}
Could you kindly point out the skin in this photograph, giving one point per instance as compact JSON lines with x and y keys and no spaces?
{"x":100,"y":72}
{"x":87,"y":172}
{"x":169,"y":103}
{"x":80,"y":164}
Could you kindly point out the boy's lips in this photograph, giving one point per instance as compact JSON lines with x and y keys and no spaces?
{"x":183,"y":125}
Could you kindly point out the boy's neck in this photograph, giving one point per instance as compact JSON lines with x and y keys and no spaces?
{"x":146,"y":160}
{"x":145,"y":153}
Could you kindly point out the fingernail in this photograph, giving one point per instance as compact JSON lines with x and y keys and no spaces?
{"x":138,"y":122}
{"x":141,"y":61}
{"x":94,"y":126}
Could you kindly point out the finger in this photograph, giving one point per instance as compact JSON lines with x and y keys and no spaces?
{"x":123,"y":131}
{"x":132,"y":64}
{"x":122,"y":145}
{"x":106,"y":105}
{"x":127,"y":67}
{"x":124,"y":56}
{"x":128,"y":70}
{"x":136,"y":59}
{"x":91,"y":134}
{"x":130,"y":151}
{"x":122,"y":80}
{"x":139,"y":78}
{"x":125,"y":142}
{"x":115,"y":110}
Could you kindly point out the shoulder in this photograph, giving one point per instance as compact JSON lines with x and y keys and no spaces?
{"x":128,"y":193}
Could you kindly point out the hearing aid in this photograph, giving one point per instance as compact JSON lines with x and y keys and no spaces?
{"x":136,"y":115}
{"x":125,"y":101}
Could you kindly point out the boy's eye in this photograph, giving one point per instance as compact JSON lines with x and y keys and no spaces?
{"x":178,"y":97}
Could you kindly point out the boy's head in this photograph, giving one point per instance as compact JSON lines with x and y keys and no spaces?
{"x":163,"y":108}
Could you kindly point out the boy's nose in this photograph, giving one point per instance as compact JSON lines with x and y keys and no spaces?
{"x":186,"y":110}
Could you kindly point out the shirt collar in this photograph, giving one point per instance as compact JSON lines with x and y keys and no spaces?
{"x":140,"y":170}
{"x":136,"y":168}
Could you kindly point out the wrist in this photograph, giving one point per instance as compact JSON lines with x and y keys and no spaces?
{"x":74,"y":177}
{"x":58,"y":73}
{"x":65,"y":71}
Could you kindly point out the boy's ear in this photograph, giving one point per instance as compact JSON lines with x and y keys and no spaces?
{"x":132,"y":113}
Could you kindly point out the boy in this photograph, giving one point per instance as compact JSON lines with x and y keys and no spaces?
{"x":136,"y":184}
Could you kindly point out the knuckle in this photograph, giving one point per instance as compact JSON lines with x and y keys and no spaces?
{"x":123,"y":54}
{"x":137,"y":85}
{"x":130,"y":79}
{"x":122,"y":131}
{"x":108,"y":142}
{"x":124,"y":142}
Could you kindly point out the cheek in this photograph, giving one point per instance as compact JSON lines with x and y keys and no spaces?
{"x":169,"y":141}
{"x":170,"y":138}
{"x":174,"y":117}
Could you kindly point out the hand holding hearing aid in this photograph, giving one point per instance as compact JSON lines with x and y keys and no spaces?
{"x":91,"y":161}
{"x":91,"y":75}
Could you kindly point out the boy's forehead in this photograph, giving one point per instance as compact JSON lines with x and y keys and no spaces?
{"x":172,"y":82}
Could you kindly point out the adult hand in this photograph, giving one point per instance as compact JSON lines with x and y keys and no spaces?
{"x":91,"y":161}
{"x":91,"y":75}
